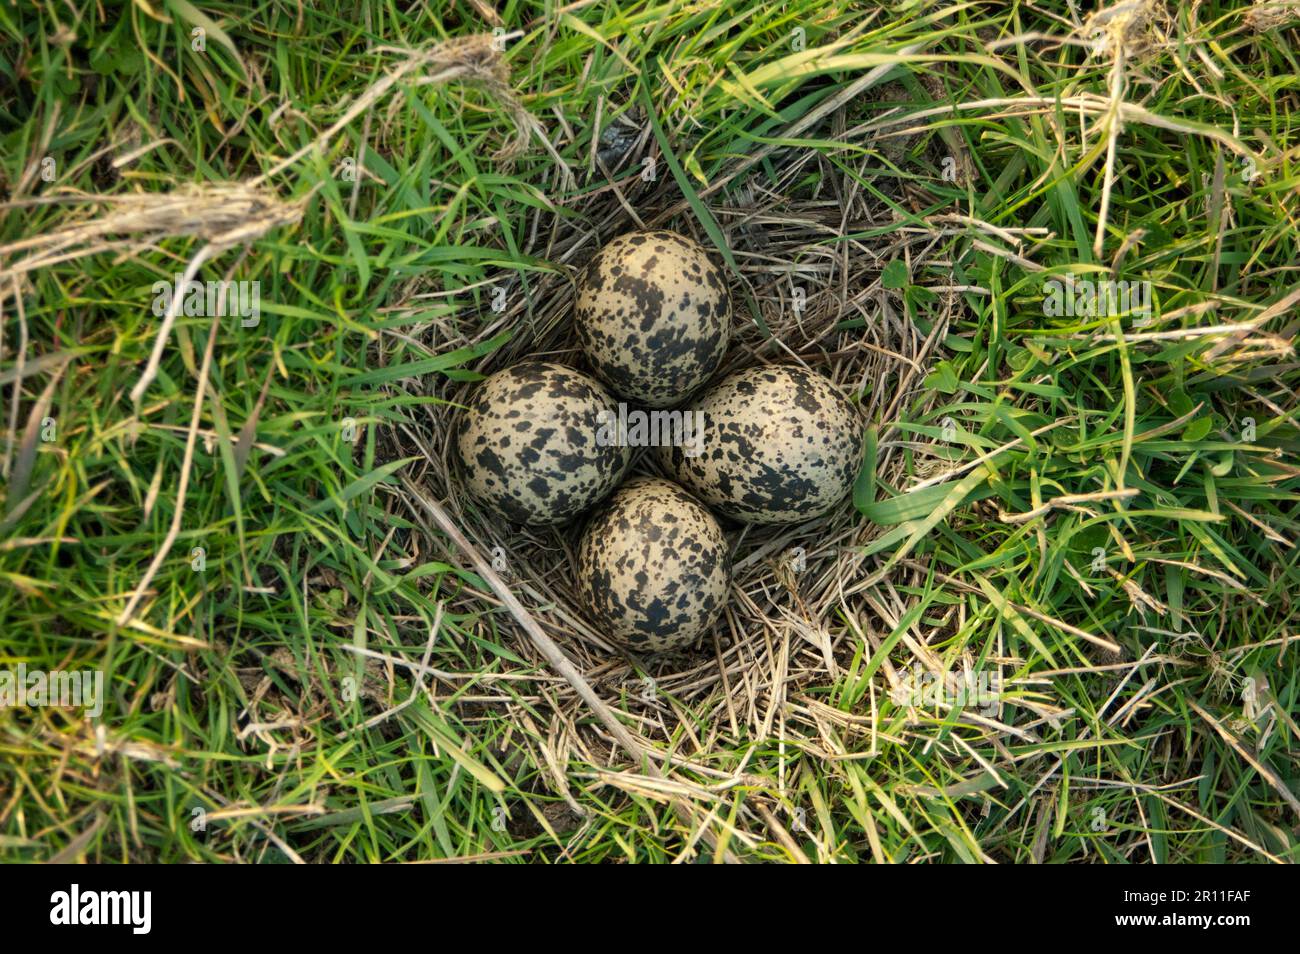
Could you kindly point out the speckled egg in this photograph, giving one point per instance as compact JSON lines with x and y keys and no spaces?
{"x":528,"y":443}
{"x":653,"y":315}
{"x":653,"y":566}
{"x":779,"y":445}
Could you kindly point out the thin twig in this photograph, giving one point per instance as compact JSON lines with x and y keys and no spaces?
{"x":169,"y":319}
{"x":191,"y":439}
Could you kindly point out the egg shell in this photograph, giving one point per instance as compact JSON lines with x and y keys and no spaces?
{"x":653,"y":315}
{"x":653,"y":567}
{"x":527,"y":443}
{"x":780,"y":445}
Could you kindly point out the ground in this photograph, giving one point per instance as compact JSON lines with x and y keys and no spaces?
{"x":1048,"y":252}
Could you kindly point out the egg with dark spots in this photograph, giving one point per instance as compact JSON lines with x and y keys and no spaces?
{"x":653,"y":567}
{"x":780,"y":444}
{"x":530,"y":444}
{"x":653,"y":315}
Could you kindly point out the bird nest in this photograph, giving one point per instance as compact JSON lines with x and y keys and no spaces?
{"x":808,"y":263}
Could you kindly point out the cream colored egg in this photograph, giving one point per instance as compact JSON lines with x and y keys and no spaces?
{"x":528,"y":443}
{"x":653,"y":567}
{"x":653,"y":315}
{"x":779,"y":445}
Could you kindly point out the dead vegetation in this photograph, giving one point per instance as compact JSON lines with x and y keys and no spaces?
{"x":801,"y":605}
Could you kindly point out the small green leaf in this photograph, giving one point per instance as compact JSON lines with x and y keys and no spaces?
{"x":1198,"y":430}
{"x":895,"y":274}
{"x":943,"y":378}
{"x":1224,"y":464}
{"x":1180,"y":403}
{"x":864,"y":488}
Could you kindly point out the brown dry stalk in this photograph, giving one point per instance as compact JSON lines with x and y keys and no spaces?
{"x":173,"y":531}
{"x":1277,"y":783}
{"x":1066,"y":501}
{"x":223,"y":214}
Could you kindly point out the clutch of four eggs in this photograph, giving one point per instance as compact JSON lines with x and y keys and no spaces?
{"x":778,"y":444}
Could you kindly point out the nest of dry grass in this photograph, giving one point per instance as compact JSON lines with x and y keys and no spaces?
{"x":786,"y":630}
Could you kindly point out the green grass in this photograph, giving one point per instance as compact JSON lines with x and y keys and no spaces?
{"x":310,"y":555}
